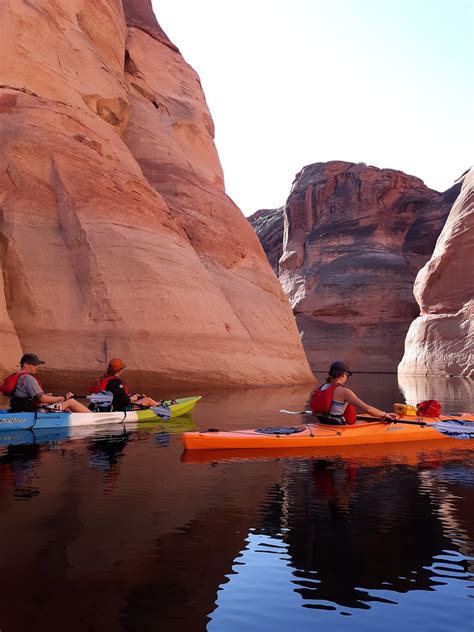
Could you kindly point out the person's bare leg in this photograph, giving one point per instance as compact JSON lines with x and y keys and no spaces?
{"x":73,"y":406}
{"x":147,"y":401}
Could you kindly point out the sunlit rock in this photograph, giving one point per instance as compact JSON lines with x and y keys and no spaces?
{"x":440,"y":340}
{"x":354,"y":239}
{"x":116,"y":235}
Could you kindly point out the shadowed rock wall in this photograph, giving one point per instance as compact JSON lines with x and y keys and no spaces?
{"x":441,"y":340}
{"x":268,"y":224}
{"x":354,"y":239}
{"x":116,"y":236}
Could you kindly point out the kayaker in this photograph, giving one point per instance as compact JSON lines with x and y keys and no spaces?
{"x":113,"y":383}
{"x":337,"y":402}
{"x":27,"y":393}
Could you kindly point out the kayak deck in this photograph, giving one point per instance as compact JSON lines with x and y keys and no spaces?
{"x":183,"y":406}
{"x":27,"y":421}
{"x":317,"y":434}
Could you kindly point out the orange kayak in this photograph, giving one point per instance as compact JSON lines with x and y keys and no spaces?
{"x":317,"y":434}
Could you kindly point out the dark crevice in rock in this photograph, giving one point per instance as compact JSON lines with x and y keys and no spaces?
{"x":130,"y":66}
{"x":19,"y":89}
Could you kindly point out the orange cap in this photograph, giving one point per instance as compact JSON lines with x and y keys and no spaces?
{"x":116,"y":364}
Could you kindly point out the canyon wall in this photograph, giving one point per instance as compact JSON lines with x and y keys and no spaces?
{"x":116,"y":235}
{"x":441,"y":340}
{"x":268,"y":224}
{"x":354,"y":238}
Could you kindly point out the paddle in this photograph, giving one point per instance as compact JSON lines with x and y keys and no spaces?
{"x":455,"y":428}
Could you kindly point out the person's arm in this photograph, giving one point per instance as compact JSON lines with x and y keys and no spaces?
{"x":351,"y":398}
{"x":49,"y":399}
{"x":33,"y":391}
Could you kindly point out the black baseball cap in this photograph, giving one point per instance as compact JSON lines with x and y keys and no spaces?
{"x":31,"y":358}
{"x":339,"y":365}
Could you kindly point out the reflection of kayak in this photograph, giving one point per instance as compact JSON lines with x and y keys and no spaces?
{"x":27,"y":421}
{"x":429,"y":454}
{"x":316,"y":435}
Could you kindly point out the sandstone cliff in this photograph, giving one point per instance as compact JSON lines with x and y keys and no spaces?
{"x":116,"y":236}
{"x":441,"y":340}
{"x":354,"y":239}
{"x":268,"y":224}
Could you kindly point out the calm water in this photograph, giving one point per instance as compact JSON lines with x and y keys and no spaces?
{"x":119,"y":530}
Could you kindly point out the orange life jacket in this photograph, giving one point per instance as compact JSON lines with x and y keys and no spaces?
{"x":9,"y":383}
{"x":101,"y":384}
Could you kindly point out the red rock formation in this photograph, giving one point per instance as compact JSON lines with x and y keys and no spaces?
{"x":268,"y":224}
{"x":440,"y":340}
{"x":355,"y":237}
{"x":116,"y":236}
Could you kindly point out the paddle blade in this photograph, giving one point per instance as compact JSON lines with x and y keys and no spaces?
{"x":456,"y":428}
{"x":162,"y":411}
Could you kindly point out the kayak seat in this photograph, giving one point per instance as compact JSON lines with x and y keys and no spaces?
{"x":283,"y":430}
{"x":329,"y":420}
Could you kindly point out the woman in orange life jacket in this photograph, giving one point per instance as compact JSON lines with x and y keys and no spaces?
{"x":27,"y":394}
{"x":343,"y":402}
{"x":112,"y":382}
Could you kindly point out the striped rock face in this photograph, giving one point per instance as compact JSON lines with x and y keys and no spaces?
{"x":354,"y":238}
{"x":116,"y":235}
{"x":440,"y":340}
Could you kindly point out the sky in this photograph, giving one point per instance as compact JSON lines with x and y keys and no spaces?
{"x":293,"y":82}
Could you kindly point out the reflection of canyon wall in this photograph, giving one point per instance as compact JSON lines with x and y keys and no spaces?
{"x":354,"y":240}
{"x":440,"y":340}
{"x":454,"y":393}
{"x":116,"y":236}
{"x":331,"y":511}
{"x":144,"y":544}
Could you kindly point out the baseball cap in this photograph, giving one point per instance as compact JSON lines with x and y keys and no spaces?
{"x":31,"y":358}
{"x":116,"y":364}
{"x":339,"y":365}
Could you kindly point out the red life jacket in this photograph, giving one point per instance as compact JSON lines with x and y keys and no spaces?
{"x":9,"y":383}
{"x":321,"y":402}
{"x":429,"y":408}
{"x":101,"y":384}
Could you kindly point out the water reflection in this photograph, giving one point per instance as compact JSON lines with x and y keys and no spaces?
{"x":454,"y":393}
{"x":353,"y":537}
{"x":17,"y":469}
{"x":123,"y":535}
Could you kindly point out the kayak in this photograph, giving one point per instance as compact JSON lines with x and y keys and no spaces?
{"x":103,"y":431}
{"x":363,"y":432}
{"x":183,"y":406}
{"x":53,"y":419}
{"x":409,"y":453}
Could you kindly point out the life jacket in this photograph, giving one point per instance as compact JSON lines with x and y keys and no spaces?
{"x":101,"y":384}
{"x":9,"y":383}
{"x":429,"y":408}
{"x":321,"y":402}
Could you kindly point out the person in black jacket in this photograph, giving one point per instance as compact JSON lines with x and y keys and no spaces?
{"x":113,"y":382}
